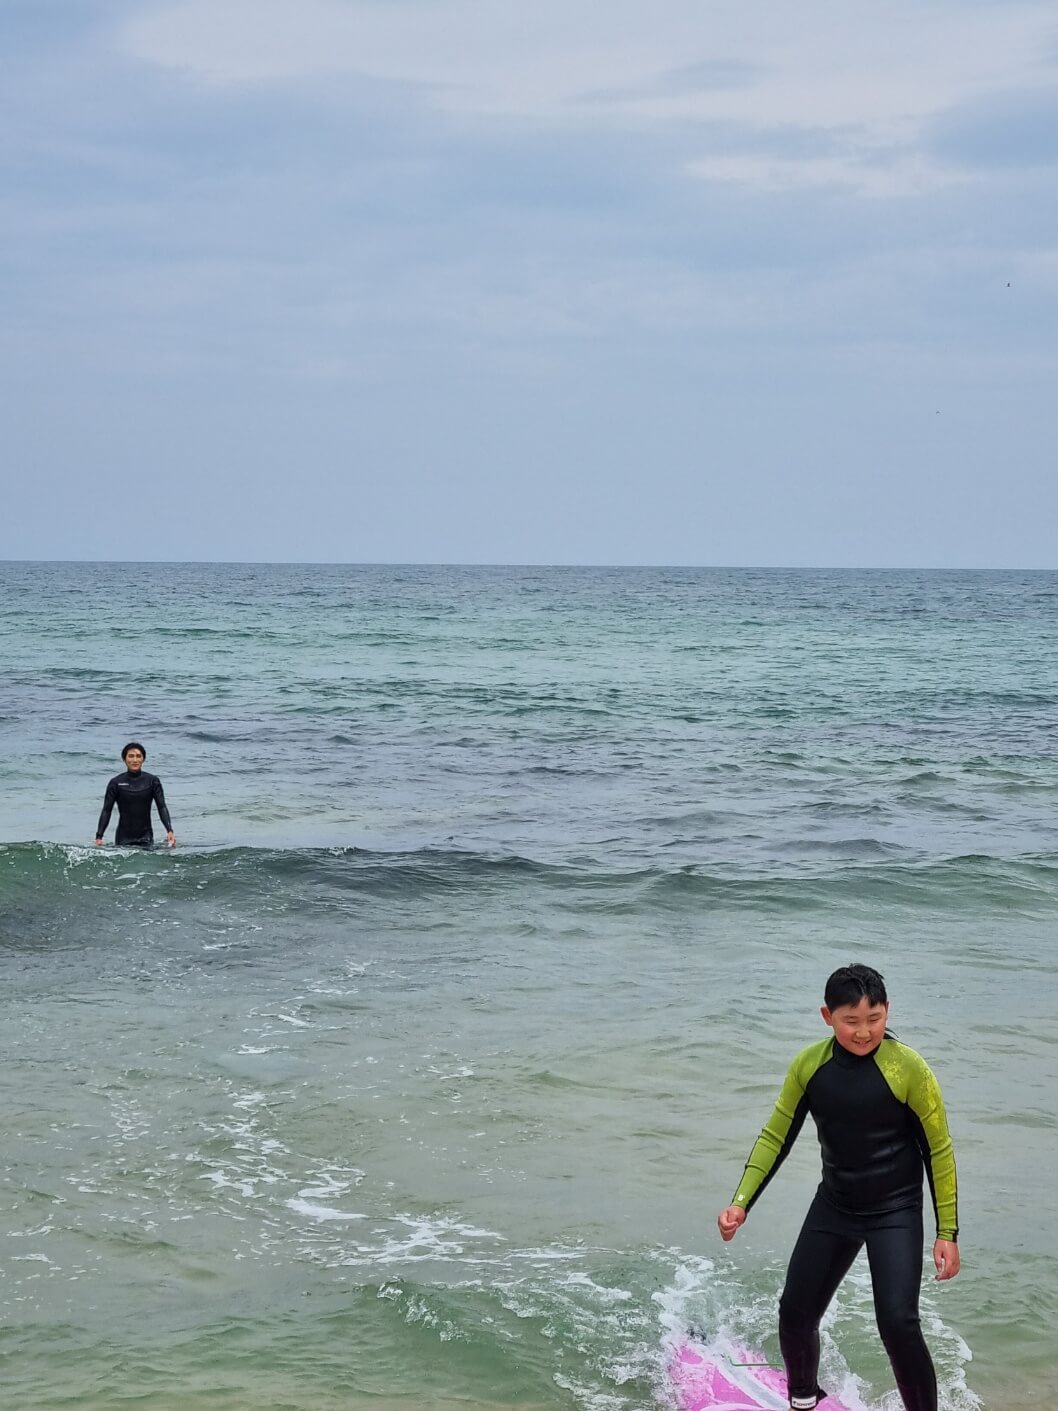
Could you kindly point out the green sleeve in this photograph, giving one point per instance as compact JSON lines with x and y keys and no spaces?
{"x":925,"y":1101}
{"x":911,"y":1080}
{"x":780,"y":1131}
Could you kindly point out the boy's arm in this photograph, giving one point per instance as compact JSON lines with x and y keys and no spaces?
{"x":925,"y":1101}
{"x":777,"y":1137}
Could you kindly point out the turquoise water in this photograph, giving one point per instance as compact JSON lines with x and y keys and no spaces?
{"x":503,"y":898}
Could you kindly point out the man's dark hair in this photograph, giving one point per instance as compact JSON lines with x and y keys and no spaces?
{"x":849,"y":985}
{"x":133,"y":745}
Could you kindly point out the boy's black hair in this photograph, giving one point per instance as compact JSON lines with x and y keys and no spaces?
{"x":849,"y":985}
{"x":133,"y":745}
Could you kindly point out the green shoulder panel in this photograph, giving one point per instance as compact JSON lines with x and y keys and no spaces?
{"x":911,"y":1081}
{"x":781,"y":1128}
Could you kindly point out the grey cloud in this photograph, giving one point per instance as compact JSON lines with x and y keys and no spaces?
{"x":707,"y":76}
{"x":1015,"y":129}
{"x":262,"y":249}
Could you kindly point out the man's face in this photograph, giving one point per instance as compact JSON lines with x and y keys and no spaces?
{"x":134,"y":761}
{"x":860,"y":1028}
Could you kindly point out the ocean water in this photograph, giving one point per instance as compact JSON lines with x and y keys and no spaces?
{"x":503,"y":897}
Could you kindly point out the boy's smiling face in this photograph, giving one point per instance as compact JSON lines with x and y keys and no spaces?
{"x":860,"y":1028}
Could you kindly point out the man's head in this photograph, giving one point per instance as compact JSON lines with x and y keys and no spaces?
{"x":856,"y":1008}
{"x":133,"y":754}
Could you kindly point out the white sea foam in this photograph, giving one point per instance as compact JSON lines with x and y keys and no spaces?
{"x":250,"y":1100}
{"x":328,"y":1183}
{"x":423,"y":1240}
{"x":604,"y":1292}
{"x":589,"y":1396}
{"x":321,"y":1212}
{"x":223,"y":1181}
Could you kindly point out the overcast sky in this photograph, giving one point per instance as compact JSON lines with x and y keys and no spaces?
{"x":530,"y":281}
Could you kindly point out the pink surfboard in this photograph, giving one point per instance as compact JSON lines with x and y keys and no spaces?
{"x":735,"y":1379}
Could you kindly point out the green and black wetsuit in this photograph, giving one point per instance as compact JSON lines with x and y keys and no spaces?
{"x":881,"y":1125}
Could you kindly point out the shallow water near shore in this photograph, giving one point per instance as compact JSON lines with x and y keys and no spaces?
{"x":422,"y":1066}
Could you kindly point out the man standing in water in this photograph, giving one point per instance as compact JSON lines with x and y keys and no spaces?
{"x":134,"y":792}
{"x":880,"y":1117}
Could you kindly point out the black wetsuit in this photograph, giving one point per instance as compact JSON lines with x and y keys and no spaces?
{"x":134,"y":794}
{"x":881,"y":1125}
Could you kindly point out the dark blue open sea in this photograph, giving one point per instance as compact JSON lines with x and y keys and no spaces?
{"x":418,"y":1072}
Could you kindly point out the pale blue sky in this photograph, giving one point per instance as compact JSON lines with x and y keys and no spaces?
{"x":535,"y":282}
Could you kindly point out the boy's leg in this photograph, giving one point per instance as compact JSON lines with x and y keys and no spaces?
{"x":895,"y":1255}
{"x":821,"y":1258}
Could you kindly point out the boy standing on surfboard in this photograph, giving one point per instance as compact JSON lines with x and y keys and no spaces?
{"x":880,"y":1117}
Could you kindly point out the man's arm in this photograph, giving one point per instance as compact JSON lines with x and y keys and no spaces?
{"x":109,"y":800}
{"x":163,"y":812}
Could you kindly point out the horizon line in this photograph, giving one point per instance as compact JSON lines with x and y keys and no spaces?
{"x":547,"y":564}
